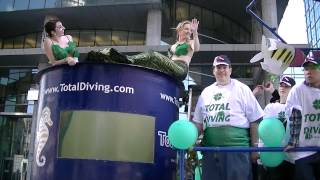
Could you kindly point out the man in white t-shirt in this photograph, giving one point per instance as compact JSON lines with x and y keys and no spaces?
{"x":227,"y":113}
{"x":303,"y":110}
{"x":277,"y":110}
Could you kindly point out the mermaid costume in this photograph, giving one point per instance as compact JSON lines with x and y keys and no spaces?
{"x":150,"y":59}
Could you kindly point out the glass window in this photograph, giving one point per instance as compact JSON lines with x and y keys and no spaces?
{"x":18,"y":42}
{"x":74,"y":34}
{"x":70,"y":3}
{"x":235,"y":32}
{"x":87,"y":38}
{"x":218,"y":21}
{"x":207,"y":19}
{"x":306,"y":3}
{"x":312,"y":19}
{"x":242,"y":36}
{"x":36,"y":4}
{"x":227,"y":28}
{"x":195,"y":12}
{"x":166,"y":8}
{"x":101,"y":135}
{"x":87,"y":2}
{"x":136,"y":38}
{"x":30,"y":41}
{"x":8,"y":43}
{"x":20,"y":4}
{"x":119,"y":38}
{"x":318,"y":31}
{"x":15,"y":84}
{"x":53,"y":3}
{"x":313,"y":35}
{"x":182,"y":11}
{"x":317,"y":10}
{"x":39,"y":39}
{"x":103,"y":38}
{"x":9,"y":105}
{"x":6,"y":5}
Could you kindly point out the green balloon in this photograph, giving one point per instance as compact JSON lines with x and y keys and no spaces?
{"x":271,"y":131}
{"x":182,"y":134}
{"x":272,"y":159}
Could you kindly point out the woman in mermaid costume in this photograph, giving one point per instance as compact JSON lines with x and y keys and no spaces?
{"x":58,"y":47}
{"x":177,"y":62}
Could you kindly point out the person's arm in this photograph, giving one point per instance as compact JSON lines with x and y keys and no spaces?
{"x":294,"y":115}
{"x":72,"y":59}
{"x":258,"y":90}
{"x":194,"y":30}
{"x":271,"y":90}
{"x":254,"y":132}
{"x":294,"y":128}
{"x":198,"y":116}
{"x":254,"y":139}
{"x":49,"y":53}
{"x":199,"y":127}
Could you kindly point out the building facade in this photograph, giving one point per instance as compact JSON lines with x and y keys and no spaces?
{"x":312,"y":13}
{"x":130,"y":26}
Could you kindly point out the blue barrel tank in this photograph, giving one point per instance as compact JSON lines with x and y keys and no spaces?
{"x":105,"y":122}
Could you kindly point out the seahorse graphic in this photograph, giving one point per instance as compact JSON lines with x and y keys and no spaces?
{"x":42,"y":135}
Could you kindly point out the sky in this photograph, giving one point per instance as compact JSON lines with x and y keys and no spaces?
{"x":292,"y":27}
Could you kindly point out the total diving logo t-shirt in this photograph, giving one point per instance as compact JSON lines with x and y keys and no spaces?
{"x":226,"y":113}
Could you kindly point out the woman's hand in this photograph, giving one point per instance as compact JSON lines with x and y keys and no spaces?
{"x":258,"y":90}
{"x":194,"y":25}
{"x":71,"y":61}
{"x":269,"y":87}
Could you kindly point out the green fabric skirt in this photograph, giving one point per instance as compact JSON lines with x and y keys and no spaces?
{"x":226,"y":136}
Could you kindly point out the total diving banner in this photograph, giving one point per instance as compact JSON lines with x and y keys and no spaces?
{"x":104,"y":121}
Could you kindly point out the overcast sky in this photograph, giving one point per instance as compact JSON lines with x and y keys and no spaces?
{"x":292,"y":27}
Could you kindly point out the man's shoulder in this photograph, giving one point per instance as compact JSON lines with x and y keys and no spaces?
{"x":300,"y":87}
{"x":240,"y":84}
{"x":274,"y":105}
{"x":209,"y":88}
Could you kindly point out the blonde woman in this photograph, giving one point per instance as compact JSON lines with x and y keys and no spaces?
{"x":175,"y":64}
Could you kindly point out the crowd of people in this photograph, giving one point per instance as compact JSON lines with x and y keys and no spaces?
{"x":227,"y":112}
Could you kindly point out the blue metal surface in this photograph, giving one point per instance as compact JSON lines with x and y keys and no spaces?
{"x":254,"y":149}
{"x":146,"y":100}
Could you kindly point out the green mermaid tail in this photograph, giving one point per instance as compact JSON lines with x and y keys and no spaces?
{"x":150,"y":59}
{"x":107,"y":55}
{"x":160,"y":62}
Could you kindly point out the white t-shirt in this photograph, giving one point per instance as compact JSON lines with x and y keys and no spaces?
{"x":232,"y":104}
{"x":307,"y":100}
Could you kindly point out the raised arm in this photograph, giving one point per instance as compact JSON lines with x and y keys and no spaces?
{"x":194,"y":30}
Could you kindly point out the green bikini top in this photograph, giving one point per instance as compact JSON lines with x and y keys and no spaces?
{"x":61,"y":53}
{"x":182,"y":49}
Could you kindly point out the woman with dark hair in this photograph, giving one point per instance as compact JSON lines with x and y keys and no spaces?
{"x":175,"y":64}
{"x":58,"y":47}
